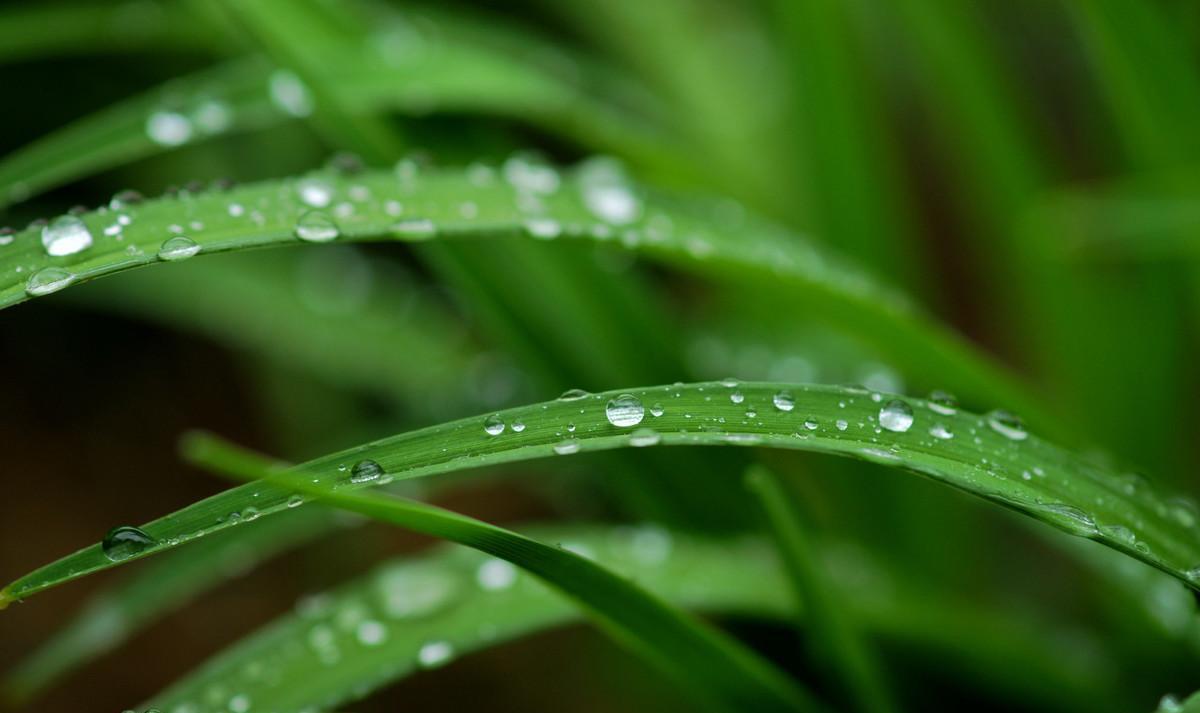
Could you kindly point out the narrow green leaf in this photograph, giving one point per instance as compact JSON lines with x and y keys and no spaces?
{"x":836,"y":644}
{"x":691,"y":233}
{"x":988,"y":456}
{"x":712,"y":667}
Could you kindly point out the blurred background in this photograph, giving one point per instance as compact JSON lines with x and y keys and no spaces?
{"x":1025,"y":170}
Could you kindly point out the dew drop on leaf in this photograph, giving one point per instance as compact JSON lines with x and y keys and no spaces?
{"x":435,"y":653}
{"x":493,"y":425}
{"x":178,"y":248}
{"x":624,"y":411}
{"x":314,"y":192}
{"x":784,"y":401}
{"x":66,"y":235}
{"x":943,"y":403}
{"x":494,"y":574}
{"x":643,"y":437}
{"x":896,"y":416}
{"x":168,"y":128}
{"x":124,"y":542}
{"x":47,"y":280}
{"x":566,"y":447}
{"x":573,"y":395}
{"x":316,"y":227}
{"x":365,"y":471}
{"x":1007,"y":425}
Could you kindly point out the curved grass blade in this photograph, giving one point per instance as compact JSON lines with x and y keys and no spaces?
{"x":690,"y":233}
{"x":991,"y":457}
{"x":248,"y":94}
{"x":835,"y":642}
{"x":332,"y":645}
{"x":712,"y":667}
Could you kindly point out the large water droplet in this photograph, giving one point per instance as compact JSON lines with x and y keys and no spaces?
{"x":168,"y":128}
{"x":896,"y":416}
{"x":784,"y":401}
{"x":47,"y":280}
{"x":316,"y":227}
{"x":624,"y":411}
{"x":124,"y":542}
{"x":177,"y":248}
{"x":1007,"y":425}
{"x":493,"y":425}
{"x":365,"y":471}
{"x":66,"y":235}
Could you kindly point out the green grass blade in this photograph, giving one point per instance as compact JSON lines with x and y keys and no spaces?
{"x":712,"y":667}
{"x":116,"y":615}
{"x":983,"y":458}
{"x":836,"y":644}
{"x":377,"y":206}
{"x":738,"y":577}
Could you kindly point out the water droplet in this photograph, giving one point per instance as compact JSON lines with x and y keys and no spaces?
{"x":435,"y":653}
{"x":896,"y":416}
{"x":573,"y":395}
{"x":365,"y":471}
{"x":316,"y":227}
{"x":543,"y":228}
{"x":124,"y":199}
{"x":124,"y":542}
{"x":1078,"y":520}
{"x":624,"y":411}
{"x":1007,"y":425}
{"x":1184,"y":511}
{"x":295,"y":500}
{"x":940,"y":431}
{"x":737,"y":397}
{"x":66,"y":235}
{"x":810,"y":424}
{"x":47,"y":280}
{"x":606,"y":192}
{"x":784,"y":401}
{"x":168,"y":128}
{"x":371,"y":633}
{"x":841,"y":424}
{"x":415,"y":590}
{"x":290,"y":94}
{"x":518,"y":426}
{"x":943,"y":403}
{"x":239,"y":703}
{"x":7,"y":235}
{"x":656,"y":410}
{"x":178,"y":248}
{"x":566,"y":447}
{"x":212,"y":117}
{"x":414,"y":229}
{"x":493,"y":425}
{"x":315,"y":192}
{"x":643,"y":437}
{"x":495,"y":574}
{"x":1169,"y":704}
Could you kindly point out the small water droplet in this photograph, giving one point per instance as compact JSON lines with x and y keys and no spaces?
{"x":943,"y":403}
{"x":543,"y":228}
{"x":290,"y":94}
{"x":365,"y":471}
{"x":435,"y":653}
{"x":316,"y":227}
{"x":518,"y":426}
{"x":314,"y":192}
{"x":566,"y":446}
{"x":371,"y":633}
{"x":810,"y":424}
{"x":295,"y":501}
{"x":178,"y":248}
{"x":784,"y":401}
{"x":168,"y":128}
{"x":239,"y":703}
{"x":624,"y":411}
{"x":125,"y":199}
{"x":939,"y":430}
{"x":66,"y":235}
{"x":495,"y":574}
{"x":737,"y":397}
{"x":656,"y":410}
{"x":573,"y":395}
{"x":643,"y":437}
{"x":841,"y":424}
{"x":493,"y":425}
{"x":47,"y":280}
{"x":414,"y":229}
{"x":124,"y":542}
{"x":1007,"y":425}
{"x":896,"y":416}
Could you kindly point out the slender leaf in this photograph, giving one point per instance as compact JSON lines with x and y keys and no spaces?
{"x":990,"y":457}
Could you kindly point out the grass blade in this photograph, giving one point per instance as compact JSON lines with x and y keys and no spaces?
{"x":717,"y":669}
{"x":378,"y":205}
{"x":985,"y":456}
{"x":835,"y":643}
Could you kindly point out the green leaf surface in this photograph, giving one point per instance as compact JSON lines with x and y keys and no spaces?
{"x":984,"y":456}
{"x":712,"y":668}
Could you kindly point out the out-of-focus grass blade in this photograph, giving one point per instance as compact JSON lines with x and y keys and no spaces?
{"x":700,"y":235}
{"x":990,"y":456}
{"x":715,"y":669}
{"x":836,"y":644}
{"x":473,"y":602}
